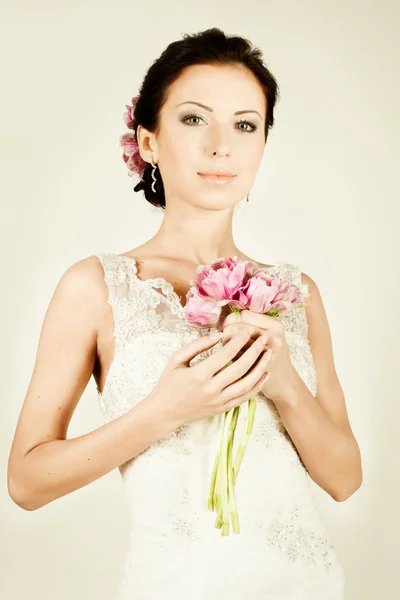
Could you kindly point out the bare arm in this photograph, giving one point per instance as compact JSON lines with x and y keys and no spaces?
{"x":319,"y":426}
{"x":57,"y":468}
{"x":43,"y":463}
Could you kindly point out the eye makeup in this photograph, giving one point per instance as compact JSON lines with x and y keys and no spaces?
{"x":253,"y":126}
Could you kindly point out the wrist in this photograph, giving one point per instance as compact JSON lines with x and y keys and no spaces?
{"x":287,"y":396}
{"x":157,"y":410}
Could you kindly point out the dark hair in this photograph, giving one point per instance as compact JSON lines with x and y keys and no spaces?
{"x":212,"y":47}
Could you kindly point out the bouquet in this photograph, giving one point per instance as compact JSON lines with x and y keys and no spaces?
{"x":225,"y":286}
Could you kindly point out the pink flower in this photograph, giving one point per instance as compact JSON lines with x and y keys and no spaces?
{"x":232,"y":285}
{"x":290,"y":297}
{"x":287,"y":296}
{"x":225,"y":280}
{"x":261,"y":293}
{"x":200,"y":311}
{"x":129,"y":114}
{"x":131,"y":155}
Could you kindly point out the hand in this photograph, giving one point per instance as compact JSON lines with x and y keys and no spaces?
{"x":186,"y":393}
{"x":280,"y":384}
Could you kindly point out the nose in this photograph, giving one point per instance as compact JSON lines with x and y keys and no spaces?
{"x":220,"y":144}
{"x":220,"y":153}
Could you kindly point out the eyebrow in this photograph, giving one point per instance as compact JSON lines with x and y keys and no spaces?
{"x":238,"y":112}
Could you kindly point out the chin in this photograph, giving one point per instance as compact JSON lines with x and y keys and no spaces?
{"x":215,"y":202}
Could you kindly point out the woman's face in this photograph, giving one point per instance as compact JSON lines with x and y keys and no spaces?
{"x":194,"y":139}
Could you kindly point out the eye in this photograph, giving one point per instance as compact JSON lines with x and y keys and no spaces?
{"x":250,"y":124}
{"x":188,"y":117}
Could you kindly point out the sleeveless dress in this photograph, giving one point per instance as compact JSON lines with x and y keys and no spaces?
{"x":283,"y":550}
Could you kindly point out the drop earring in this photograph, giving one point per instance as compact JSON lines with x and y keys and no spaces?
{"x":248,"y":196}
{"x":153,"y":175}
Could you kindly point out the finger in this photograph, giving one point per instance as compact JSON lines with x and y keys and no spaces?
{"x":250,"y":342}
{"x":240,"y":366}
{"x":237,"y":401}
{"x":247,"y":345}
{"x":251,"y":318}
{"x":184,"y":355}
{"x":231,"y":330}
{"x":243,"y":350}
{"x":217,"y":361}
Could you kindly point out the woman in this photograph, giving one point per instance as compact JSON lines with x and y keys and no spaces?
{"x":205,"y":108}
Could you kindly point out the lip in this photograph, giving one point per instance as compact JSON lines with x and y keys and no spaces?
{"x":218,"y":174}
{"x":217,"y":178}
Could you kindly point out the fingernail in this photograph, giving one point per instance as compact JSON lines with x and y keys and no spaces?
{"x":265,"y":338}
{"x":269,"y":354}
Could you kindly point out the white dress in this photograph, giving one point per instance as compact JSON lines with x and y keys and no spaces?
{"x":283,"y":550}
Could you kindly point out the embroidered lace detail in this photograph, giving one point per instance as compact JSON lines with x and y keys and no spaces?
{"x":183,"y":525}
{"x":271,"y":432}
{"x":137,"y":299}
{"x":299,"y":544}
{"x":149,"y":326}
{"x":178,"y":441}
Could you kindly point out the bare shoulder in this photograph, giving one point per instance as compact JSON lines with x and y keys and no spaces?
{"x":84,"y":280}
{"x":86,"y":274}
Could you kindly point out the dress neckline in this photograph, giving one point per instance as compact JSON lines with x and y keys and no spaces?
{"x":168,"y":287}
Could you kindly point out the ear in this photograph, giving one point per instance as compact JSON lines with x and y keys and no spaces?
{"x":147,"y":144}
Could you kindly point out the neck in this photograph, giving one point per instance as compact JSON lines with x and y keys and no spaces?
{"x":200,"y":238}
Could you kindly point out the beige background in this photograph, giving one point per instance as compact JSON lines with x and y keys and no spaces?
{"x":326,"y":197}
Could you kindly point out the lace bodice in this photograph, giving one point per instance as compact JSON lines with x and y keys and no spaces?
{"x":283,"y":551}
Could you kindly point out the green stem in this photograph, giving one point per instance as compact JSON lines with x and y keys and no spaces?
{"x":252,"y":405}
{"x":224,"y":476}
{"x":212,"y":494}
{"x":231,"y":484}
{"x":217,"y":493}
{"x":234,"y":310}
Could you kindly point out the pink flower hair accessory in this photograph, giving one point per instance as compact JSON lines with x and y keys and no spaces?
{"x":131,"y":155}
